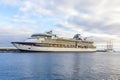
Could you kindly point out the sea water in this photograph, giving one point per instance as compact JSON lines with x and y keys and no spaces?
{"x":60,"y":66}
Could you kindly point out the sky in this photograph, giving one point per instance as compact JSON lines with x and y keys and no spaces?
{"x":97,"y":19}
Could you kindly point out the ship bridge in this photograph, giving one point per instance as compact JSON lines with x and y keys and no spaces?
{"x":41,"y":35}
{"x":45,"y":35}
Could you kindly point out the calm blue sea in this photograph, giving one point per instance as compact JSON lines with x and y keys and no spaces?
{"x":59,"y":66}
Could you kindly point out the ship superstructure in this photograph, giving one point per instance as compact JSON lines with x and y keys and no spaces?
{"x":51,"y":42}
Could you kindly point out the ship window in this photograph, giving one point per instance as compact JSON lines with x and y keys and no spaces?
{"x":68,"y":46}
{"x":41,"y":36}
{"x":61,"y":45}
{"x":29,"y":48}
{"x":86,"y":46}
{"x":73,"y":46}
{"x":50,"y":45}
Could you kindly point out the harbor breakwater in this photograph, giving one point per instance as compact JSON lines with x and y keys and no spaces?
{"x":6,"y":49}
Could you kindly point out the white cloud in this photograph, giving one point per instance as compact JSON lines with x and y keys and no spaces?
{"x":25,"y":21}
{"x":63,"y":33}
{"x":15,"y":31}
{"x":10,"y":2}
{"x":9,"y":34}
{"x":26,"y":6}
{"x":91,"y":17}
{"x":106,"y":11}
{"x":73,"y":27}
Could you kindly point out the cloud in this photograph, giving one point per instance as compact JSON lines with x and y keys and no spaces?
{"x":10,"y":2}
{"x":63,"y":33}
{"x":9,"y":34}
{"x":90,"y":15}
{"x":99,"y":18}
{"x":73,"y":27}
{"x":23,"y":21}
{"x":26,"y":6}
{"x":9,"y":30}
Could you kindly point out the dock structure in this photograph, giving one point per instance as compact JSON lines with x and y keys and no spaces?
{"x":8,"y":49}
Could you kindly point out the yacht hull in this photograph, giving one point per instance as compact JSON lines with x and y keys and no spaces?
{"x":33,"y":48}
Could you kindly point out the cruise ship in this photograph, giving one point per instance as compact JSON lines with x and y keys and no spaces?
{"x":49,"y":42}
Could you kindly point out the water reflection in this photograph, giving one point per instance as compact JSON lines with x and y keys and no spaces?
{"x":76,"y":67}
{"x":60,"y":66}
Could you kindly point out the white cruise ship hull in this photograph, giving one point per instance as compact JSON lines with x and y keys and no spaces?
{"x":50,"y":49}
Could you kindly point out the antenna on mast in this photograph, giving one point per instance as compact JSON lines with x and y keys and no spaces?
{"x":110,"y":45}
